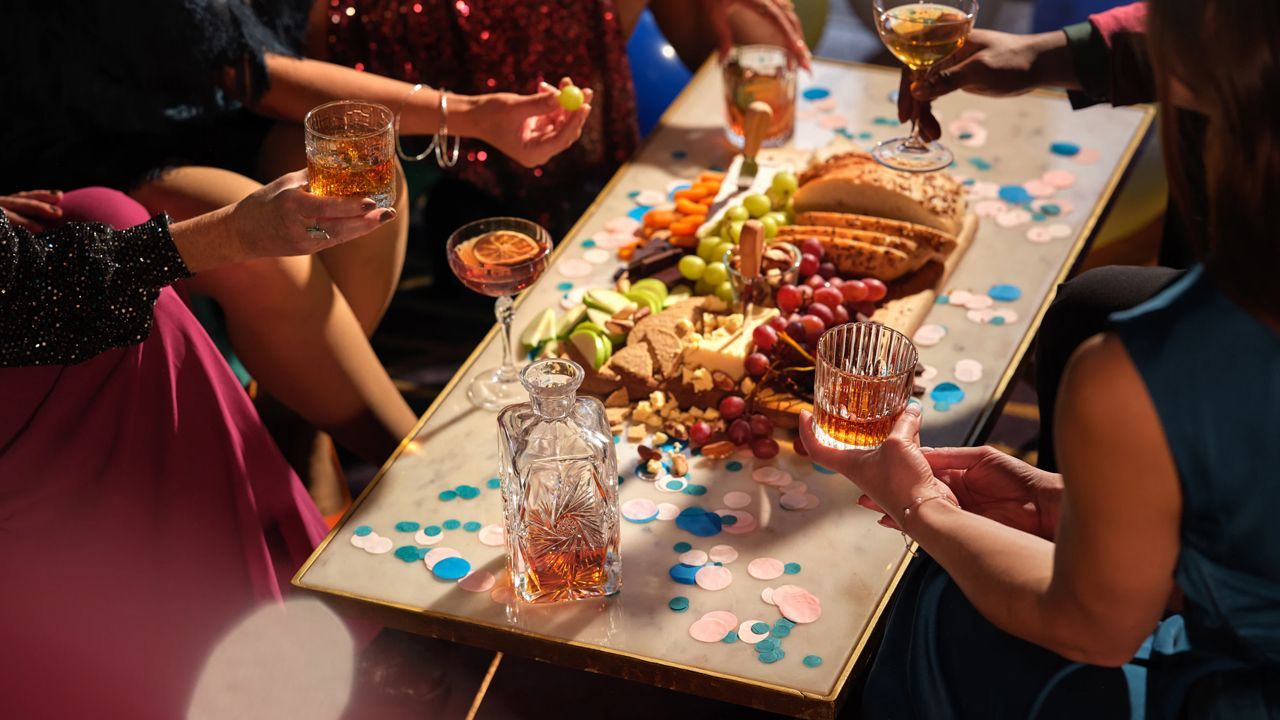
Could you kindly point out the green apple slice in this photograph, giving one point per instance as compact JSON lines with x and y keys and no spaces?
{"x":570,"y":320}
{"x":606,"y":300}
{"x":658,"y":287}
{"x":593,"y":347}
{"x":645,"y":298}
{"x":679,"y":293}
{"x":540,"y":330}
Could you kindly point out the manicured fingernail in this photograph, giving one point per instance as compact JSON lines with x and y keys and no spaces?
{"x":388,"y":214}
{"x":368,"y":204}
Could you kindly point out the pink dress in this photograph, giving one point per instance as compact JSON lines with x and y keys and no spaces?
{"x":143,"y":510}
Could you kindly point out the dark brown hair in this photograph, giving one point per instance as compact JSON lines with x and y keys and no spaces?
{"x":1227,"y":54}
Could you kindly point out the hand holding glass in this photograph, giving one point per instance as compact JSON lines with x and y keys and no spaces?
{"x":862,"y":384}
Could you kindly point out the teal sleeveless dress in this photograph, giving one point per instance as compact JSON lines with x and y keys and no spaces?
{"x":1213,"y":373}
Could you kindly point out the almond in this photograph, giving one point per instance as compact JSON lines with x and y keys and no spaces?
{"x":679,"y":465}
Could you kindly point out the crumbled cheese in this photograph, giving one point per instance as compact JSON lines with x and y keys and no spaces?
{"x":657,"y":399}
{"x":748,"y":385}
{"x":642,"y":412}
{"x":731,"y":323}
{"x":653,"y":467}
{"x":637,"y":432}
{"x":683,"y":327}
{"x":660,"y":438}
{"x":711,"y":414}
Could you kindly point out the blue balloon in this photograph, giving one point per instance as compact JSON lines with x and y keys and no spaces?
{"x":656,"y":71}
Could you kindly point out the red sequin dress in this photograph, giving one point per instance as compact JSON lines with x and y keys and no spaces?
{"x":482,"y":46}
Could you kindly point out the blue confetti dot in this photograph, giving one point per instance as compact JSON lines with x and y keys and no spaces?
{"x":980,"y":164}
{"x":633,"y":194}
{"x":844,"y":133}
{"x":811,"y":661}
{"x":408,"y":553}
{"x":363,"y":530}
{"x":815,"y":93}
{"x":733,"y":466}
{"x":882,"y":120}
{"x":783,"y":622}
{"x":823,"y":470}
{"x":432,"y":530}
{"x":1005,"y":292}
{"x":494,"y":483}
{"x":407,"y":526}
{"x":780,"y":631}
{"x":942,"y":406}
{"x":564,"y":286}
{"x":770,"y":658}
{"x":1050,"y":209}
{"x":893,"y":97}
{"x":677,"y":188}
{"x":699,"y":522}
{"x":641,"y":521}
{"x":865,"y":135}
{"x":683,"y":574}
{"x":678,"y":603}
{"x":965,"y":135}
{"x":791,"y":568}
{"x":468,"y":492}
{"x":588,"y":244}
{"x":453,"y":568}
{"x":682,"y":547}
{"x":472,"y":526}
{"x":729,"y":520}
{"x":968,"y":182}
{"x":1014,"y":194}
{"x":767,"y":645}
{"x":947,"y":392}
{"x":451,"y":524}
{"x":448,"y":495}
{"x":1038,"y":217}
{"x":695,"y":489}
{"x":997,"y":320}
{"x":1065,"y":149}
{"x":760,"y":628}
{"x":617,"y":439}
{"x":673,"y":484}
{"x":679,"y":154}
{"x":730,"y":637}
{"x":637,"y":213}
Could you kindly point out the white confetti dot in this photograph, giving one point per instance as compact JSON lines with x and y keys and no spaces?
{"x":984,"y":190}
{"x":693,"y":557}
{"x":795,"y":486}
{"x":766,"y":474}
{"x":649,"y":198}
{"x":958,"y":297}
{"x":767,"y":595}
{"x":1061,"y":179}
{"x":1039,"y":234}
{"x":597,"y":256}
{"x":981,"y":316}
{"x":361,"y":540}
{"x":748,"y":636}
{"x":669,"y":484}
{"x":667,"y":511}
{"x":640,"y":509}
{"x":491,"y":535}
{"x":990,"y":208}
{"x":978,"y":301}
{"x":968,"y":370}
{"x":379,"y":546}
{"x":1059,"y":230}
{"x":930,"y":372}
{"x":438,"y":554}
{"x":723,"y":553}
{"x":1009,"y":315}
{"x":736,"y":500}
{"x":422,"y":538}
{"x":574,"y":268}
{"x":1013,"y":218}
{"x":623,"y":225}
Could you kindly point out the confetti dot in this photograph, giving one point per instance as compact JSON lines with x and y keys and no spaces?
{"x":575,"y":267}
{"x":363,"y":530}
{"x":1039,"y":235}
{"x":753,"y":631}
{"x":693,"y":557}
{"x":682,"y":547}
{"x":767,"y":595}
{"x":649,"y":198}
{"x":668,"y":511}
{"x":782,"y":628}
{"x":981,"y":316}
{"x":929,"y":335}
{"x":797,"y":604}
{"x":451,"y":524}
{"x":1013,"y":218}
{"x":565,"y":286}
{"x":380,"y":545}
{"x":771,"y":657}
{"x":823,"y":470}
{"x":1087,"y":156}
{"x":1065,"y":149}
{"x":1005,"y":316}
{"x":980,"y":164}
{"x":428,"y":536}
{"x":795,"y":501}
{"x":478,"y":581}
{"x":743,"y":521}
{"x":492,"y":535}
{"x":672,"y":485}
{"x":886,"y":121}
{"x":1015,"y":194}
{"x":728,"y":519}
{"x":733,"y":466}
{"x":684,"y":574}
{"x":453,"y":568}
{"x":588,"y":244}
{"x":1061,"y":179}
{"x":791,"y":568}
{"x":930,"y":372}
{"x":713,"y":626}
{"x":826,"y":105}
{"x":448,"y":495}
{"x":409,"y":553}
{"x":678,"y":603}
{"x":767,"y":645}
{"x":990,"y":208}
{"x":494,"y":483}
{"x":468,"y":492}
{"x":736,"y":500}
{"x":723,"y":553}
{"x":1005,"y":292}
{"x":1059,"y":230}
{"x":679,"y":154}
{"x":597,"y":256}
{"x":672,"y":188}
{"x":968,"y":370}
{"x":730,"y":638}
{"x":832,"y":121}
{"x":503,"y":595}
{"x":946,"y":392}
{"x":472,"y":526}
{"x":765,"y":568}
{"x":697,"y":521}
{"x":978,"y":301}
{"x":713,"y":577}
{"x":815,"y":93}
{"x":695,"y":489}
{"x":811,"y":661}
{"x":1039,"y":188}
{"x":640,"y":510}
{"x":438,"y":554}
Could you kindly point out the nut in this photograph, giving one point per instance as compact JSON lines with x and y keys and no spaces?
{"x":619,"y":327}
{"x":676,"y":430}
{"x":641,"y":314}
{"x":723,"y":381}
{"x":718,"y":450}
{"x":648,"y":454}
{"x":679,"y":465}
{"x":623,"y":285}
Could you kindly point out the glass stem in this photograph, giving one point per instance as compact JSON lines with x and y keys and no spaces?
{"x":915,"y":141}
{"x":502,"y":310}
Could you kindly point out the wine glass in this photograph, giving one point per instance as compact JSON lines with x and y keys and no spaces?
{"x":499,"y":257}
{"x":920,"y":34}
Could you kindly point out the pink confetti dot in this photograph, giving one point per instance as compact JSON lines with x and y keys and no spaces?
{"x":1039,"y":234}
{"x":723,"y":554}
{"x":668,"y":511}
{"x":712,"y":627}
{"x":639,"y":509}
{"x":795,"y":501}
{"x":597,"y":256}
{"x":984,"y":190}
{"x":1059,"y":230}
{"x":478,"y":581}
{"x":795,"y":486}
{"x":990,"y":208}
{"x":929,"y":335}
{"x":747,"y":635}
{"x":766,"y":595}
{"x":713,"y":577}
{"x":649,"y":198}
{"x":765,"y":474}
{"x":575,"y":268}
{"x":826,"y":104}
{"x":930,"y":372}
{"x":833,"y":121}
{"x":1013,"y":218}
{"x":981,"y":316}
{"x":1009,"y":315}
{"x":622,"y":225}
{"x":746,"y":522}
{"x":797,"y":604}
{"x":491,"y":535}
{"x":978,"y":301}
{"x":1061,"y":179}
{"x":439,"y":554}
{"x":1087,"y":156}
{"x":503,"y":595}
{"x":693,"y":557}
{"x":968,"y":370}
{"x":1039,"y":188}
{"x":765,"y":568}
{"x":958,"y":297}
{"x":806,"y":114}
{"x":736,"y":500}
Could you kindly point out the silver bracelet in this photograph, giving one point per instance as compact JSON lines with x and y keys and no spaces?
{"x":400,"y":148}
{"x":442,"y":136}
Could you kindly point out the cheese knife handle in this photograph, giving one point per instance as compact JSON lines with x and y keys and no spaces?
{"x":750,"y":249}
{"x":754,"y":126}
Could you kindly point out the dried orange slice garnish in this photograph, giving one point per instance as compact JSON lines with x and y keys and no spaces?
{"x":505,"y":247}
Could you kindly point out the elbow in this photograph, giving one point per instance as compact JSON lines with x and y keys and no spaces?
{"x":1099,"y":655}
{"x":1096,"y":644}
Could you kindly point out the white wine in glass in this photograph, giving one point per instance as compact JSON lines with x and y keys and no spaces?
{"x":921,"y":34}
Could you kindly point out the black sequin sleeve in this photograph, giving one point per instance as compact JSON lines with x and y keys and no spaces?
{"x":70,"y":293}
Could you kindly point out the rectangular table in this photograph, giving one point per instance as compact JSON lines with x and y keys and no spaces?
{"x":845,"y":559}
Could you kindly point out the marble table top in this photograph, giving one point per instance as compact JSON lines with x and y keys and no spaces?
{"x":844,"y":558}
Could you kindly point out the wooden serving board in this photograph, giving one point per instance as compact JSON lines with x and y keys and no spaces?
{"x":910,"y":299}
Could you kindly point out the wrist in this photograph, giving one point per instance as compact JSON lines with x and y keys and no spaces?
{"x":923,"y":511}
{"x":466,"y":115}
{"x":1052,"y":62}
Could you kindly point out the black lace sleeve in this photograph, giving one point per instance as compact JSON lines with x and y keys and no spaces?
{"x":70,"y":293}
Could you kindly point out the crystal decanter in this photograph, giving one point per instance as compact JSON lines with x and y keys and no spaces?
{"x":559,"y":489}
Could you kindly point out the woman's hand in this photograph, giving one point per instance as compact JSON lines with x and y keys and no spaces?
{"x":759,"y":21}
{"x":32,"y":209}
{"x":892,"y":475}
{"x":1001,"y":487}
{"x":530,"y":129}
{"x":989,"y":63}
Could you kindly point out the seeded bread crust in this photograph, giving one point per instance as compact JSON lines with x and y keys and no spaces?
{"x":854,"y":183}
{"x":941,"y":243}
{"x":860,"y":259}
